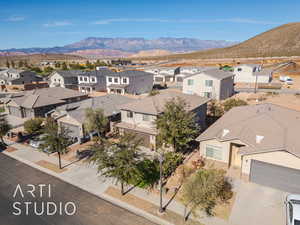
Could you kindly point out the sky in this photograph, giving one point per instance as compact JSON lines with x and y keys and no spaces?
{"x":44,"y":23}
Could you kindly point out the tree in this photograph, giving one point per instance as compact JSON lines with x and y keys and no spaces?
{"x":33,"y":126}
{"x":36,"y":69}
{"x":7,"y":64}
{"x":64,"y":66}
{"x":176,"y":126}
{"x":48,"y":69}
{"x":204,"y":189}
{"x":215,"y":109}
{"x":96,"y":121}
{"x":57,"y":65}
{"x":20,"y":64}
{"x":55,"y":139}
{"x":230,"y":103}
{"x":120,"y":160}
{"x":4,"y":127}
{"x":12,"y":63}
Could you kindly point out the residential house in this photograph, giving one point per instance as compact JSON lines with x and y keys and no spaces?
{"x":72,"y":116}
{"x":17,"y":78}
{"x":139,"y":116}
{"x":163,"y":74}
{"x":211,"y":83}
{"x":94,"y":80}
{"x":130,"y":81}
{"x":252,"y":73}
{"x":65,"y":78}
{"x":261,"y":141}
{"x":37,"y":103}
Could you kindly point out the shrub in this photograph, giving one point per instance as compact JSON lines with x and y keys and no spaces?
{"x":230,"y":103}
{"x":171,"y":161}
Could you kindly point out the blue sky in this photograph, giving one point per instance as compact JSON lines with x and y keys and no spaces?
{"x":43,"y":23}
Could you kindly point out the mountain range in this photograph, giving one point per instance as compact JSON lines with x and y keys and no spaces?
{"x":113,"y":47}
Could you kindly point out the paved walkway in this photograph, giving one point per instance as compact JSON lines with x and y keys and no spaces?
{"x":259,"y":200}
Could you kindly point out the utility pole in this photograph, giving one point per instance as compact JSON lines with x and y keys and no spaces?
{"x":161,"y":159}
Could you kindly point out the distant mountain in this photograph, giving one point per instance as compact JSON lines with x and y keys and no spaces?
{"x":128,"y":45}
{"x":279,"y":41}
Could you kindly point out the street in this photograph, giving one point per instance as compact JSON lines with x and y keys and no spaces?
{"x":90,"y":210}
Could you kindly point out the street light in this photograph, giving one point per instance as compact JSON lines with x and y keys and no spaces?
{"x":161,"y":159}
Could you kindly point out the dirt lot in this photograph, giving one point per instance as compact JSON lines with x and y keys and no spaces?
{"x":287,"y":100}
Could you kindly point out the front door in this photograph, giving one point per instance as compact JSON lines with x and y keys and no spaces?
{"x":235,"y":157}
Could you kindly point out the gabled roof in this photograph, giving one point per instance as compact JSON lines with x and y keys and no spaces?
{"x":69,"y":73}
{"x":109,"y":103}
{"x":44,"y":96}
{"x":262,"y":127}
{"x":131,"y":73}
{"x":214,"y":73}
{"x":155,"y":104}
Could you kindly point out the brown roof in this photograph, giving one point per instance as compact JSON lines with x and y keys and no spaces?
{"x":262,"y":127}
{"x":45,"y":96}
{"x":155,"y":104}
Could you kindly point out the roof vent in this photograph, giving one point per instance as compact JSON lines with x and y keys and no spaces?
{"x":225,"y":132}
{"x":259,"y":138}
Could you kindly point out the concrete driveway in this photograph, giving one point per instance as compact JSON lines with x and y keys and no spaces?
{"x":256,"y":204}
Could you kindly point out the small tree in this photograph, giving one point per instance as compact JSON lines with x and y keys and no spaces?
{"x":55,"y":139}
{"x":4,"y":128}
{"x":176,"y":126}
{"x":7,"y":64}
{"x":48,"y":69}
{"x":215,"y":109}
{"x":64,"y":66}
{"x":12,"y":63}
{"x":20,"y":64}
{"x":33,"y":126}
{"x":230,"y":103}
{"x":119,"y":161}
{"x":96,"y":121}
{"x":204,"y":189}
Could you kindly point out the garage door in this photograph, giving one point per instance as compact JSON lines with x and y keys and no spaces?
{"x":279,"y":177}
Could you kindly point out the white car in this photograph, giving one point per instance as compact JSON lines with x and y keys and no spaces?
{"x":289,"y":81}
{"x":293,"y":209}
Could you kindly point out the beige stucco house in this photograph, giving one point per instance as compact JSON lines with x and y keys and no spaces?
{"x":262,"y":141}
{"x":252,"y":73}
{"x":211,"y":83}
{"x":139,"y":116}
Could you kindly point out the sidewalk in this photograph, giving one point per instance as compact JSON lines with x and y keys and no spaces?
{"x":85,"y":176}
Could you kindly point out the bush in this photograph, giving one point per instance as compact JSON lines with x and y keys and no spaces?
{"x":230,"y":103}
{"x":148,"y":174}
{"x":154,"y":92}
{"x":171,"y":161}
{"x":33,"y":126}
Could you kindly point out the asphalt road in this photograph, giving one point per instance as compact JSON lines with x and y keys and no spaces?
{"x":90,"y":210}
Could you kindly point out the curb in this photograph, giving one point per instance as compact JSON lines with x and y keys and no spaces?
{"x":105,"y":197}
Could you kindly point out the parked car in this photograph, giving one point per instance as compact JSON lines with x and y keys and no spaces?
{"x":35,"y":142}
{"x":289,"y":81}
{"x":293,"y":209}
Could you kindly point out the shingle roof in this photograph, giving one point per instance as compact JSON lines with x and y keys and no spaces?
{"x":215,"y":73}
{"x":70,"y":73}
{"x":45,"y":96}
{"x":155,"y":104}
{"x":109,"y":103}
{"x":277,"y":128}
{"x":131,"y":73}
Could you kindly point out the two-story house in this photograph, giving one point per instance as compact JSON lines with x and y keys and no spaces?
{"x":164,"y":74}
{"x":95,"y":80}
{"x":252,"y":73}
{"x":130,"y":81}
{"x":139,"y":116}
{"x":37,"y":103}
{"x":212,"y":83}
{"x":65,"y":78}
{"x":15,"y":77}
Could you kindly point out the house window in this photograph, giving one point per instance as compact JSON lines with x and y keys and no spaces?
{"x":85,"y":79}
{"x":110,"y":79}
{"x":207,"y":94}
{"x":190,"y":82}
{"x":93,"y":79}
{"x":129,"y":114}
{"x":146,"y":117}
{"x":80,"y":78}
{"x":239,"y":69}
{"x":214,"y":152}
{"x":124,"y":80}
{"x":208,"y":83}
{"x":115,"y":80}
